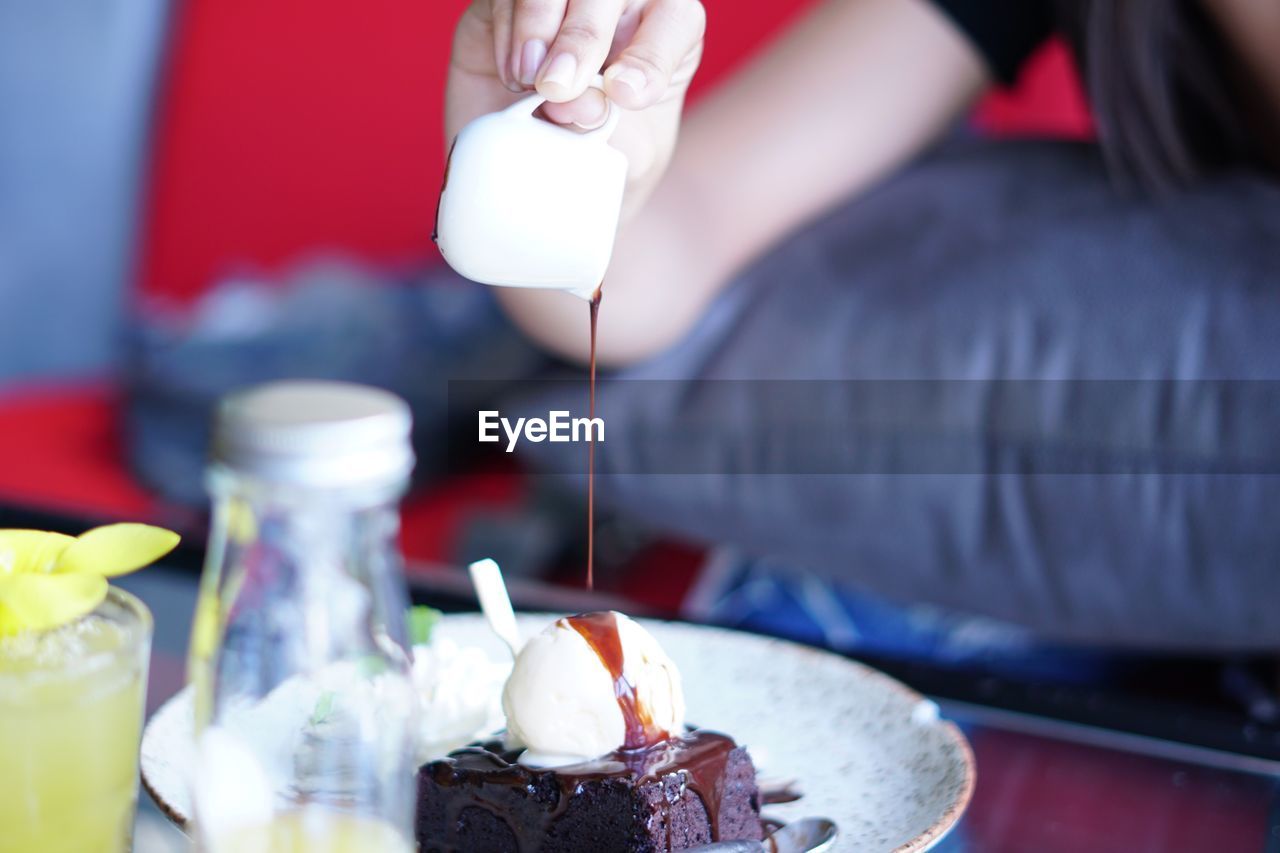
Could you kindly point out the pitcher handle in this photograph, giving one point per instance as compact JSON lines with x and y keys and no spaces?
{"x":526,"y":107}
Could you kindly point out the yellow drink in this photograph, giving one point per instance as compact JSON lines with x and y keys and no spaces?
{"x":313,"y":831}
{"x":71,"y":705}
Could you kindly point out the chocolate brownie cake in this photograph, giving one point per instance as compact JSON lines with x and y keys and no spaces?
{"x":679,"y":793}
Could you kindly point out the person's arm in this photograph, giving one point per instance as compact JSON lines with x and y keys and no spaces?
{"x":846,"y":96}
{"x":1252,"y":27}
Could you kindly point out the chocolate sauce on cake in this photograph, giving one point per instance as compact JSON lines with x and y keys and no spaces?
{"x":701,"y":755}
{"x":600,"y":630}
{"x":472,"y":786}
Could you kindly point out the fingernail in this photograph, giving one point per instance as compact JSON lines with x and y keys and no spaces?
{"x":561,"y":70}
{"x":631,"y":77}
{"x":531,"y":56}
{"x":601,"y":115}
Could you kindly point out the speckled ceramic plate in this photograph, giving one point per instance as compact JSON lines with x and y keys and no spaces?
{"x":865,"y":750}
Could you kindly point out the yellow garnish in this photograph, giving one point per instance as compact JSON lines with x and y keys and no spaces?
{"x":50,"y":579}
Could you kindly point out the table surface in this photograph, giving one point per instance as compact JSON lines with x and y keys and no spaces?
{"x":1041,"y":786}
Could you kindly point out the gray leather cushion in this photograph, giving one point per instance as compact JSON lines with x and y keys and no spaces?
{"x":1138,"y":512}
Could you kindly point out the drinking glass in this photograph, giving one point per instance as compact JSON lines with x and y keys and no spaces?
{"x":71,"y":708}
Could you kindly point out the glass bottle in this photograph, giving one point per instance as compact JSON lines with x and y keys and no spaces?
{"x":304,"y":701}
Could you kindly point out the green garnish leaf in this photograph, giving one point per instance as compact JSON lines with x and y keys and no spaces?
{"x":422,"y":620}
{"x":371,"y":664}
{"x":323,"y":708}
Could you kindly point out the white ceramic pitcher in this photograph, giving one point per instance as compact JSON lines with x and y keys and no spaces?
{"x":527,"y":203}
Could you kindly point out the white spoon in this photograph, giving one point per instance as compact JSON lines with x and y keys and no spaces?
{"x":486,"y":577}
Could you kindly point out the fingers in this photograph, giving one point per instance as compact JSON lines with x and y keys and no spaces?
{"x":666,"y":45}
{"x":587,"y":111}
{"x":580,"y":48}
{"x":534,"y":24}
{"x":558,"y":46}
{"x":501,"y":16}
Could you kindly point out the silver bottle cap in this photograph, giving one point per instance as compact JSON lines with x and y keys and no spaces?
{"x":316,"y":434}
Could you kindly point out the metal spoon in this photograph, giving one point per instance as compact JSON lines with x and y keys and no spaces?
{"x":808,"y":835}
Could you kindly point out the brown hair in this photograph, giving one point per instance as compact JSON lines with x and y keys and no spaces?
{"x":1160,"y":82}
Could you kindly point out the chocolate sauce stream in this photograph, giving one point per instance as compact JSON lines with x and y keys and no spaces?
{"x":591,"y":445}
{"x":600,"y":630}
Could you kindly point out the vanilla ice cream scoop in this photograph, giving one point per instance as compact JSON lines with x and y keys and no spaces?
{"x":588,"y":685}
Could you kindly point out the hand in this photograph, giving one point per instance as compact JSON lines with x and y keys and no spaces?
{"x":648,"y":50}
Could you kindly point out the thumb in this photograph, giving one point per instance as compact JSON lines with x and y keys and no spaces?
{"x":587,"y":111}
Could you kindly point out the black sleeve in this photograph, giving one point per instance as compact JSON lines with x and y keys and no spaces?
{"x":1005,"y":32}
